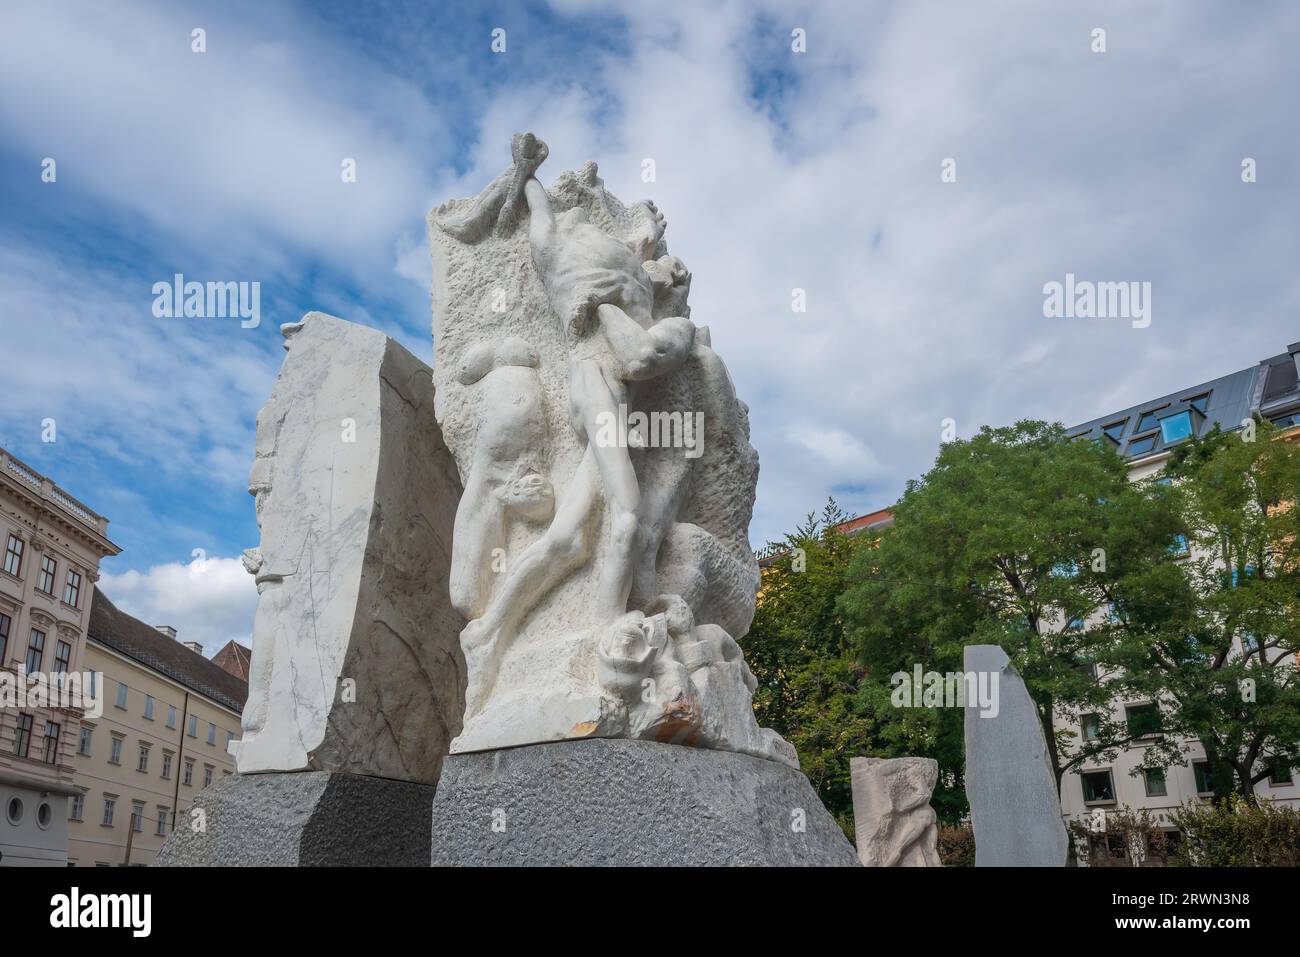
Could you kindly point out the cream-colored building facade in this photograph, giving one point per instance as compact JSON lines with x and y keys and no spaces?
{"x":51,"y":545}
{"x":168,"y":716}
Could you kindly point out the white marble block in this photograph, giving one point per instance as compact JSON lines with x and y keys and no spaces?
{"x":601,"y":551}
{"x":893,"y":822}
{"x":356,"y":663}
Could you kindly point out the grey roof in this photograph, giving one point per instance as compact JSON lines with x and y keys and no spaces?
{"x":142,"y":642}
{"x":1269,"y":387}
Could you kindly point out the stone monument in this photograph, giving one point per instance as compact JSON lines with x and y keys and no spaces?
{"x":1014,"y":806}
{"x":893,"y":821}
{"x":601,"y":553}
{"x":356,"y":687}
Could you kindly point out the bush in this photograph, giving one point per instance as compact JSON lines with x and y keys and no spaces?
{"x":956,"y":845}
{"x":1131,"y":839}
{"x":1238,"y":834}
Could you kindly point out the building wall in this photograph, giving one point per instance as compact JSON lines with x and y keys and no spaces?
{"x":51,"y":525}
{"x":160,"y":788}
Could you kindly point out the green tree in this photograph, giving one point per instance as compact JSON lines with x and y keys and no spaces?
{"x":809,"y":680}
{"x":1213,"y":637}
{"x":1010,"y":539}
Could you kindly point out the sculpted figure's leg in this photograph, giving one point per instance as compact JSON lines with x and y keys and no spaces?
{"x":564,"y":546}
{"x":595,"y":398}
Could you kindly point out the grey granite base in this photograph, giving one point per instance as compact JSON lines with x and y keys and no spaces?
{"x":303,"y":819}
{"x":618,"y":802}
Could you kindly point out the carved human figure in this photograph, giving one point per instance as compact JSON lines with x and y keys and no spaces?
{"x":504,"y":483}
{"x":895,"y":825}
{"x":605,"y":299}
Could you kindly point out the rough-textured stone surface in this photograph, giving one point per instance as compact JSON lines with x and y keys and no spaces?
{"x":601,"y":559}
{"x":356,"y":658}
{"x":303,"y":819}
{"x":894,"y":825}
{"x":622,"y":802}
{"x":1014,"y":807}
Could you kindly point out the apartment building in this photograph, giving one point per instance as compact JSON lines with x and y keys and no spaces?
{"x":169,"y":715}
{"x":1145,"y":435}
{"x":53,"y":545}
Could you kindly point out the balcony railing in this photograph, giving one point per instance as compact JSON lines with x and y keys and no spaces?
{"x":25,"y":474}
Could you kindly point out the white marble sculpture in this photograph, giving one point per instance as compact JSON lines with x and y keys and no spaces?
{"x":601,"y":553}
{"x":356,"y":664}
{"x":893,"y":822}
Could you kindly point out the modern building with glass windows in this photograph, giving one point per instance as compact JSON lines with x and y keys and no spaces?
{"x":1146,"y":434}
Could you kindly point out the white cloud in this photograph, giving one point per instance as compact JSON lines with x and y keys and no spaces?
{"x":924,"y":298}
{"x":209,"y":601}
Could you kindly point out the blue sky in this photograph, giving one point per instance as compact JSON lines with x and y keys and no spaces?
{"x":776,"y":171}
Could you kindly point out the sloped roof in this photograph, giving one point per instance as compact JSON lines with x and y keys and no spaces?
{"x":143,"y":643}
{"x":234,"y":658}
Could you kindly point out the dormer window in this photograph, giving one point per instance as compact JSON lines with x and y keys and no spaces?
{"x":1143,"y":445}
{"x":1115,"y":431}
{"x":1178,"y":427}
{"x":1200,"y":402}
{"x":1149,"y":419}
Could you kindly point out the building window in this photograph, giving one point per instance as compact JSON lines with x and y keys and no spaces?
{"x":1204,"y":783}
{"x":5,"y":622}
{"x":83,"y":746}
{"x":110,"y":805}
{"x":148,"y":707}
{"x":115,"y":750}
{"x":1201,"y":403}
{"x":35,"y":652}
{"x":212,"y":733}
{"x":50,"y":750}
{"x":45,"y":581}
{"x":72,"y":588}
{"x":1114,"y":431}
{"x":137,"y":817}
{"x":171,"y":716}
{"x":1143,"y":445}
{"x":1091,"y":727}
{"x":1176,"y":428}
{"x":1287,"y":420}
{"x":193,"y":729}
{"x":77,"y":807}
{"x":188,"y":779}
{"x":1154,"y":780}
{"x":1143,"y":720}
{"x":1279,"y":776}
{"x":23,"y":735}
{"x":1179,"y":548}
{"x":62,"y":657}
{"x":207,"y":774}
{"x":1098,"y":788}
{"x":14,"y":556}
{"x":94,"y":683}
{"x":167,"y":766}
{"x":121,"y":695}
{"x":143,"y":763}
{"x":230,"y":736}
{"x":162,"y":822}
{"x":1149,"y":420}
